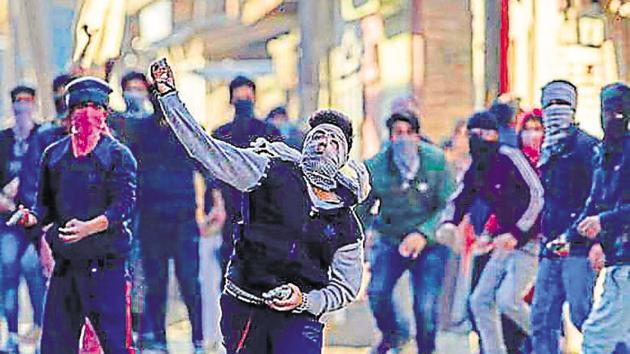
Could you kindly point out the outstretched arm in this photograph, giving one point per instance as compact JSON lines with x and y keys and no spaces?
{"x":240,"y":168}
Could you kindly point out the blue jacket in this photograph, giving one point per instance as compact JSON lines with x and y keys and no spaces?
{"x":102,"y":183}
{"x":510,"y":188}
{"x":610,"y":199}
{"x":566,"y":179}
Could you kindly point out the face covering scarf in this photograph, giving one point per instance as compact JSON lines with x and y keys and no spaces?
{"x":321,"y":168}
{"x":244,"y":113}
{"x":23,"y":112}
{"x":406,"y":158}
{"x":532,"y":142}
{"x":136,"y":105}
{"x":88,"y":125}
{"x":558,"y":123}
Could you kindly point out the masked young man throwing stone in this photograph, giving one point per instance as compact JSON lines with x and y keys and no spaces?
{"x":298,"y":253}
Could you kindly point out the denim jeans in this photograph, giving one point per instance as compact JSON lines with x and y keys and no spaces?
{"x":19,"y":258}
{"x":427,"y":275}
{"x":609,"y":321}
{"x":558,"y":280}
{"x":501,"y":288}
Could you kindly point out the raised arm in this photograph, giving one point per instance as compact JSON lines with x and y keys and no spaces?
{"x":240,"y":168}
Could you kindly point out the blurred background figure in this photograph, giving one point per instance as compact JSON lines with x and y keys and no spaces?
{"x":241,"y":131}
{"x":411,"y":183}
{"x":166,"y":226}
{"x":291,"y":133}
{"x":18,"y":254}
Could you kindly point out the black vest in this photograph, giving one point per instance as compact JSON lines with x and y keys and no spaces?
{"x":284,"y":239}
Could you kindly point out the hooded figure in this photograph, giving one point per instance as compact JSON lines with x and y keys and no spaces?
{"x":298,"y":248}
{"x":605,"y":220}
{"x":615,"y":113}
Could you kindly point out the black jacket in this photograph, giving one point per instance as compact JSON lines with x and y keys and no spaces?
{"x":101,"y":183}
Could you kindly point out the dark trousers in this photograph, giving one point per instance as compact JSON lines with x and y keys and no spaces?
{"x":427,"y":276}
{"x":92,"y":289}
{"x":250,"y":329}
{"x":162,"y":240}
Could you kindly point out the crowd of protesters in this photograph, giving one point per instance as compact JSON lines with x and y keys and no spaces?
{"x":512,"y":217}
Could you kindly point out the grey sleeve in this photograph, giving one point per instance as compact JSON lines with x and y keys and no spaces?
{"x":240,"y":168}
{"x":343,"y":288}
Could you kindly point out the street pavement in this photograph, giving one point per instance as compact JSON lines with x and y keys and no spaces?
{"x":349,"y":332}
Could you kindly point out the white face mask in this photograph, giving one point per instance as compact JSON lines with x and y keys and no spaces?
{"x":320,"y":167}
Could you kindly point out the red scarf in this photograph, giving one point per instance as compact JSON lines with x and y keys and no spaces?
{"x":88,"y":125}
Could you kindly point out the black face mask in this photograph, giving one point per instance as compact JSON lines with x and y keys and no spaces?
{"x":615,"y":129}
{"x":244,"y":108}
{"x":480,"y":148}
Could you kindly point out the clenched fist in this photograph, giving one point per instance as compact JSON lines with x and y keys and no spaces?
{"x":162,"y":77}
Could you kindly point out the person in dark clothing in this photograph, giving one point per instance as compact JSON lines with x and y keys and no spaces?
{"x":18,"y":254}
{"x":165,"y":213}
{"x":504,"y":179}
{"x":86,"y":190}
{"x":243,"y":130}
{"x":291,"y":134}
{"x":606,"y":219}
{"x":566,"y":165}
{"x":298,"y":252}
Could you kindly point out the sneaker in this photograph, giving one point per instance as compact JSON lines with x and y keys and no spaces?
{"x":11,"y":345}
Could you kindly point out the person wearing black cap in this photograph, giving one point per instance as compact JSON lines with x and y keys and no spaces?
{"x":503,"y":178}
{"x":244,"y":129}
{"x":15,"y":248}
{"x":566,"y":165}
{"x":298,"y":253}
{"x":87,"y":192}
{"x":411,"y":182}
{"x":166,"y":225}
